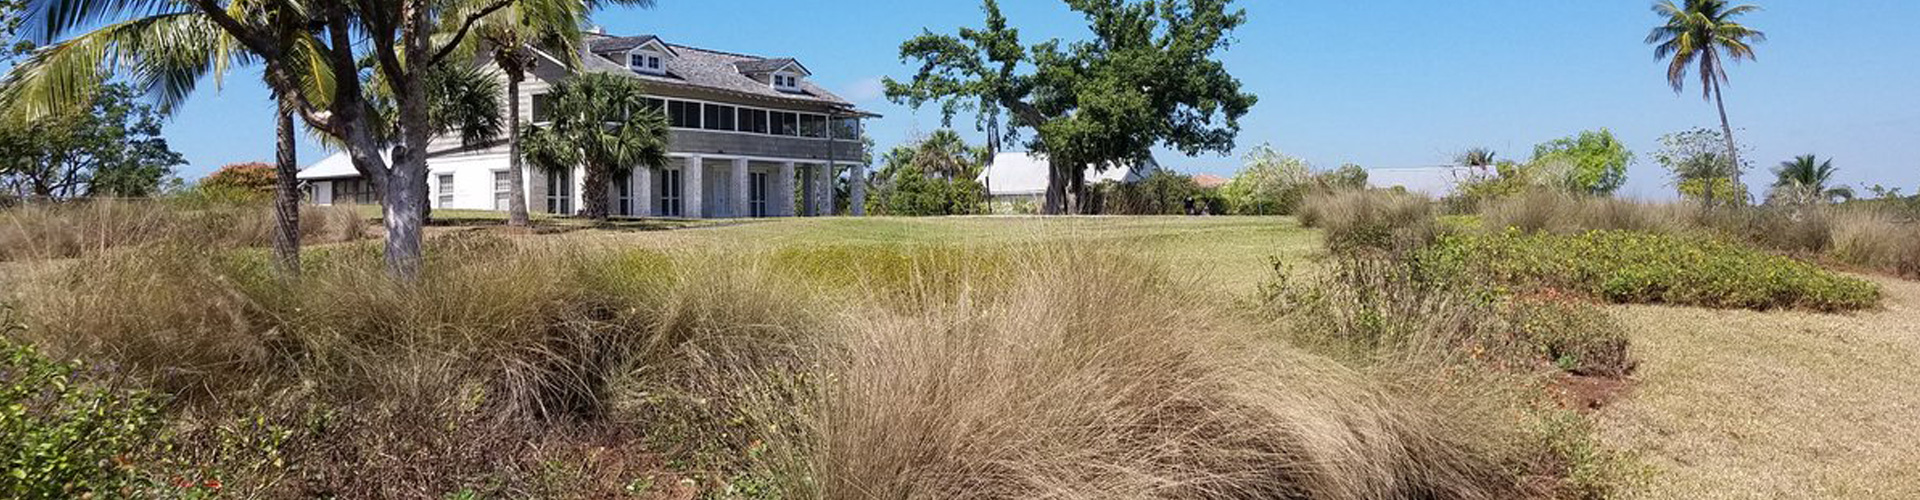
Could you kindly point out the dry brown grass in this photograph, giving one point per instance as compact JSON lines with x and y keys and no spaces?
{"x":65,"y":230}
{"x":1741,"y":404}
{"x":1025,"y":371}
{"x":1371,"y":220}
{"x":1563,"y":213}
{"x":1877,"y":239}
{"x":1098,"y":380}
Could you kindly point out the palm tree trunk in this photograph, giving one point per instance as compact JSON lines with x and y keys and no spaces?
{"x":516,"y":181}
{"x":597,"y":181}
{"x":286,"y":206}
{"x":1726,"y":130}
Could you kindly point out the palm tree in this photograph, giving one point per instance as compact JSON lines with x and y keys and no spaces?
{"x":1704,"y":33}
{"x":601,"y":122}
{"x":1804,"y":180}
{"x":511,"y":36}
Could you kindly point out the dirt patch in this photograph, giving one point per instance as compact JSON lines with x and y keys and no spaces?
{"x":1589,"y":394}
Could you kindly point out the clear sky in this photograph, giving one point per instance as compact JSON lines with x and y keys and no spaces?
{"x":1386,"y":83}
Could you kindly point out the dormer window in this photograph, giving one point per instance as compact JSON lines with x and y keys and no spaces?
{"x":787,"y":82}
{"x":647,"y":62}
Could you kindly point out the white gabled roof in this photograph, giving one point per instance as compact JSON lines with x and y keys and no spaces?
{"x":334,"y":166}
{"x":1026,"y":174}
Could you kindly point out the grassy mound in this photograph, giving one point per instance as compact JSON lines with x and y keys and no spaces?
{"x":55,"y":231}
{"x":1631,"y":267}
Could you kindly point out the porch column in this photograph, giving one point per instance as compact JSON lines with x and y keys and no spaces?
{"x":738,"y":194}
{"x":692,"y":189}
{"x":824,"y":185}
{"x":643,"y":195}
{"x":857,"y":190}
{"x":783,"y":191}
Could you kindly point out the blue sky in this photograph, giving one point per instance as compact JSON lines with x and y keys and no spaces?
{"x":1389,"y":83}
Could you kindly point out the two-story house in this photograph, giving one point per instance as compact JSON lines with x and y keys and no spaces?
{"x":751,"y":137}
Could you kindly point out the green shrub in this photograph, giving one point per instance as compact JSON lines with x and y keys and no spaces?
{"x":1374,"y":220}
{"x":64,"y":432}
{"x":1631,"y":267}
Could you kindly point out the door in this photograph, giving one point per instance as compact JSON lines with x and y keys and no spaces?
{"x":758,"y":185}
{"x":668,"y":190}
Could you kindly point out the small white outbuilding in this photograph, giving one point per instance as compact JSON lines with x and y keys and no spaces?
{"x":1023,"y":176}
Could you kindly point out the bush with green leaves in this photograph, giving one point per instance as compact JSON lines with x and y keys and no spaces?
{"x":1641,"y":268}
{"x":1271,"y":183}
{"x":64,"y":432}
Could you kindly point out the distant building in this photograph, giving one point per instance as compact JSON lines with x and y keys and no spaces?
{"x":1210,"y":181}
{"x":751,"y":137}
{"x":1023,"y":176}
{"x":1436,"y":181}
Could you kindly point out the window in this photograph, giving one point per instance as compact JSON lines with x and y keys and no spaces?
{"x":502,"y":190}
{"x":683,"y":114}
{"x":669,"y":191}
{"x":659,"y":105}
{"x":813,"y":126}
{"x":560,"y":192}
{"x":443,"y":184}
{"x":753,"y":120}
{"x":354,"y":191}
{"x":623,"y":191}
{"x":846,"y":128}
{"x":542,"y":108}
{"x":757,"y":194}
{"x":646,"y":62}
{"x":719,"y":117}
{"x":784,"y":123}
{"x":784,"y":81}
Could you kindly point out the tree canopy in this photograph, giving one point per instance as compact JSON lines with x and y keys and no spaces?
{"x":1592,"y":162}
{"x":1146,"y":78}
{"x":112,"y":147}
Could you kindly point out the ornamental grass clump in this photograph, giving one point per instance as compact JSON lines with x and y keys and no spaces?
{"x":1392,"y":222}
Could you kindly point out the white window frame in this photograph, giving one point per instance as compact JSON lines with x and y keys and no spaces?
{"x":785,"y":81}
{"x":670,"y":192}
{"x":560,"y":195}
{"x":502,"y":193}
{"x":647,"y":62}
{"x":443,"y":183}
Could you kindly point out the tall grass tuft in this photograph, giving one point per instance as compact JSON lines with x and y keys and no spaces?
{"x":73,"y":229}
{"x":1371,"y":220}
{"x":1089,"y":374}
{"x":1557,"y":212}
{"x":1877,"y":239}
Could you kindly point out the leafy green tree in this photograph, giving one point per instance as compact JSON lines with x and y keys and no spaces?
{"x":939,"y":175}
{"x":602,"y":122}
{"x":1147,"y":78}
{"x":1593,"y":162}
{"x":1700,"y":169}
{"x":1271,"y":183}
{"x":1806,"y":180}
{"x":113,"y":147}
{"x":1347,"y":177}
{"x":1704,"y":33}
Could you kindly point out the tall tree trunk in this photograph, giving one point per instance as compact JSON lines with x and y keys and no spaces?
{"x":1056,"y":199}
{"x":516,"y":181}
{"x":286,"y":206}
{"x":596,"y":184}
{"x":1733,"y":150}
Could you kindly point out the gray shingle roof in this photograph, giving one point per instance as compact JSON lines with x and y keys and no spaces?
{"x":705,"y":69}
{"x":767,"y":65}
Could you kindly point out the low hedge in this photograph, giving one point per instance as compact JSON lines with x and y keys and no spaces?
{"x":1642,"y":268}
